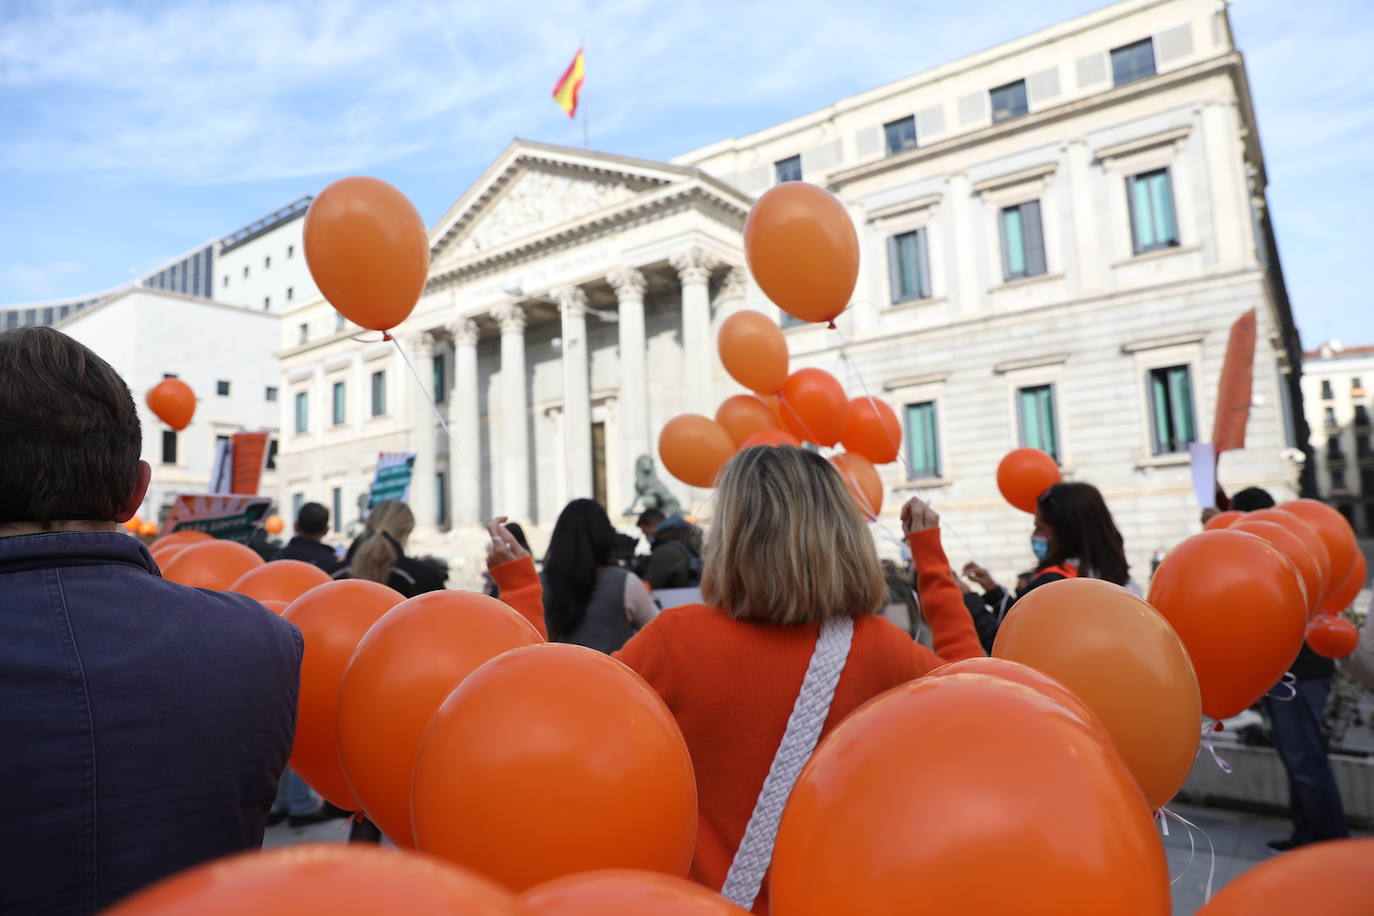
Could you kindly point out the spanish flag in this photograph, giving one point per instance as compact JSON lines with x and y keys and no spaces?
{"x":570,"y":86}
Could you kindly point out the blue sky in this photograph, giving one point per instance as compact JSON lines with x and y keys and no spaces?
{"x":134,"y":131}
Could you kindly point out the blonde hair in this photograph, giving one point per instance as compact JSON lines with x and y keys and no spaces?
{"x":787,"y":544}
{"x":376,"y":555}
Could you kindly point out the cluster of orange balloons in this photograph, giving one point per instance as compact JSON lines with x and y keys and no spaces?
{"x":140,"y":527}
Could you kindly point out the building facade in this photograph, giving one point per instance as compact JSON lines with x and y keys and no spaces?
{"x":1338,"y":389}
{"x":1056,"y":235}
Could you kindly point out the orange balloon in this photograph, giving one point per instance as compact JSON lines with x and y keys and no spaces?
{"x":1236,"y":602}
{"x":753,"y":351}
{"x":1297,"y":552}
{"x":368,"y":251}
{"x":213,"y":564}
{"x":409,"y":661}
{"x":274,"y":524}
{"x":1335,"y":533}
{"x":1009,"y":670}
{"x":133,"y":524}
{"x":861,"y":479}
{"x":180,"y":536}
{"x":1332,"y":878}
{"x":694,"y":449}
{"x":1125,"y":662}
{"x":173,"y":401}
{"x":743,"y":415}
{"x":802,"y":250}
{"x":147,"y":529}
{"x":1223,"y":520}
{"x":1332,"y":636}
{"x":276,"y":607}
{"x":320,"y":878}
{"x":1345,"y":594}
{"x":1311,"y":540}
{"x":814,"y":408}
{"x":871,"y":429}
{"x":1024,"y":474}
{"x":332,"y":618}
{"x":552,"y":760}
{"x":280,"y":580}
{"x":624,"y":892}
{"x":774,"y":437}
{"x":861,"y":835}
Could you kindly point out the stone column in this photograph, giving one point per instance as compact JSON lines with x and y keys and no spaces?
{"x":634,"y":382}
{"x":515,"y":440}
{"x":465,"y":453}
{"x":577,"y":399}
{"x":423,"y":486}
{"x":694,"y":268}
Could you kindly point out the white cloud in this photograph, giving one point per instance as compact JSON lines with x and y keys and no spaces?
{"x":38,"y":281}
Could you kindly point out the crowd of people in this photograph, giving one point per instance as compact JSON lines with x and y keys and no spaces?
{"x":149,"y":724}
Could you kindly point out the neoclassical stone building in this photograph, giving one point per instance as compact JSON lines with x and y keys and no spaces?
{"x":1056,"y":235}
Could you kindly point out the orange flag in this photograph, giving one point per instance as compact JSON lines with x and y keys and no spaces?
{"x":1237,"y":379}
{"x":570,"y":86}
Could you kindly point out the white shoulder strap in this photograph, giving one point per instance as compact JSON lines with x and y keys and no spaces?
{"x":803,"y":731}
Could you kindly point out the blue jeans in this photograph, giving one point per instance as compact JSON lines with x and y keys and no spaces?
{"x":294,"y":796}
{"x":1314,"y":801}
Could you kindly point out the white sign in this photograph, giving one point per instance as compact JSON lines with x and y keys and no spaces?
{"x":1203,"y":457}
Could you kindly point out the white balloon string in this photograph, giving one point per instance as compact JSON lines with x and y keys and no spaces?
{"x":1290,"y":683}
{"x":1206,"y":742}
{"x":1211,"y":851}
{"x":471,"y":467}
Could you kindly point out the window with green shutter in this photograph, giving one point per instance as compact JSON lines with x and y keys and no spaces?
{"x":1023,"y":241}
{"x":1035,"y":413}
{"x":1171,"y":409}
{"x":908,"y":266}
{"x":923,"y":440}
{"x":1151,"y":199}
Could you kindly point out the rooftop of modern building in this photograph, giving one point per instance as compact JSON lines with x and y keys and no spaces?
{"x":1334,"y":349}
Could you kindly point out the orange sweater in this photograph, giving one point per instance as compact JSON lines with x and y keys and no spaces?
{"x":731,"y":686}
{"x":520,"y":588}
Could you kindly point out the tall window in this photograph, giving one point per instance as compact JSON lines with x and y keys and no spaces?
{"x":788,"y":169}
{"x":379,"y":393}
{"x":441,"y":495}
{"x":272,"y":454}
{"x":900,"y":134}
{"x":1035,"y":414}
{"x":1023,"y":241}
{"x":1171,"y":409}
{"x":245,"y":270}
{"x":302,"y":411}
{"x":169,"y":446}
{"x":923,"y":440}
{"x":440,"y":386}
{"x":1333,"y":449}
{"x":1338,"y":479}
{"x":1009,"y":101}
{"x":1329,"y":416}
{"x":338,"y":404}
{"x":1151,"y":201}
{"x":266,"y":261}
{"x":222,"y":388}
{"x":908,"y":265}
{"x":266,"y":303}
{"x":336,"y":507}
{"x":297,"y":501}
{"x":338,"y":322}
{"x":303,"y":332}
{"x":290,"y":293}
{"x":1133,"y":62}
{"x":1363,"y":447}
{"x":1327,"y":393}
{"x":290,"y":251}
{"x":226,"y":281}
{"x":1361,"y":415}
{"x":270,"y":394}
{"x":1356,"y":387}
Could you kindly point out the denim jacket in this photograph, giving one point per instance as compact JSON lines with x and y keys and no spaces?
{"x":143,"y":724}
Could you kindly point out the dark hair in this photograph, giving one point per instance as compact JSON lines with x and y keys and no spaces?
{"x":518,"y":533}
{"x":1252,"y":498}
{"x":313,"y":519}
{"x":1083,"y":530}
{"x":649,"y":517}
{"x":70,"y":431}
{"x":582,"y":540}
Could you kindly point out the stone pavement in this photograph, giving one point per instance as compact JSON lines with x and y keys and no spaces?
{"x":1238,"y":838}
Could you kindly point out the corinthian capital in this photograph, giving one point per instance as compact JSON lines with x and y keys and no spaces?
{"x":627,"y":282}
{"x":572,"y":300}
{"x":736,"y":284}
{"x":693,"y":265}
{"x":511,"y":318}
{"x":464,"y":332}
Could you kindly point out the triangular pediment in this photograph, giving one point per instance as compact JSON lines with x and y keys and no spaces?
{"x":532,"y":188}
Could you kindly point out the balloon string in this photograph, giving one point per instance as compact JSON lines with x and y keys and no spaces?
{"x":452,"y":441}
{"x":1206,"y":741}
{"x":1290,"y":682}
{"x":1211,"y":850}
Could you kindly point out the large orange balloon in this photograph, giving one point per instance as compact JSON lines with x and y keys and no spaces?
{"x":814,"y":408}
{"x":861,"y":835}
{"x":1223,"y":520}
{"x":753,"y":351}
{"x":802,"y":250}
{"x":1310,"y":539}
{"x":774,"y":437}
{"x":409,"y":661}
{"x":1333,"y":878}
{"x":871,"y":429}
{"x":1125,"y":662}
{"x":624,"y":892}
{"x":1332,"y":636}
{"x":333,"y":879}
{"x":1335,"y":533}
{"x":333,"y":618}
{"x":1345,"y":594}
{"x":1024,"y":474}
{"x":368,"y":251}
{"x":861,"y":479}
{"x":1030,"y":677}
{"x":211,"y":564}
{"x":1292,"y":547}
{"x":274,"y":524}
{"x":694,"y":449}
{"x":280,"y":580}
{"x":1236,"y":602}
{"x":173,"y":401}
{"x":743,"y":415}
{"x":552,"y":760}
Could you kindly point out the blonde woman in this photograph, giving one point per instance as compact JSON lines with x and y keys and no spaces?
{"x":379,"y":553}
{"x":789,"y":565}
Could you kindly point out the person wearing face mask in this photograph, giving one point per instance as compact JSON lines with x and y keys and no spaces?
{"x":1074,"y":536}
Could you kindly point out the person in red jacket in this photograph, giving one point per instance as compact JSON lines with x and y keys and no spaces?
{"x":787,"y":553}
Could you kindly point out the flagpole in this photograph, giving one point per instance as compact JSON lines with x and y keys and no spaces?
{"x":586,"y":133}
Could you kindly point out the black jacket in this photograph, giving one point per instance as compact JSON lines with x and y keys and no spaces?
{"x":409,"y":576}
{"x":309,"y":550}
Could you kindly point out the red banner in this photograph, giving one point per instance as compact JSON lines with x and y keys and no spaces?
{"x":250,"y":457}
{"x":1237,"y":379}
